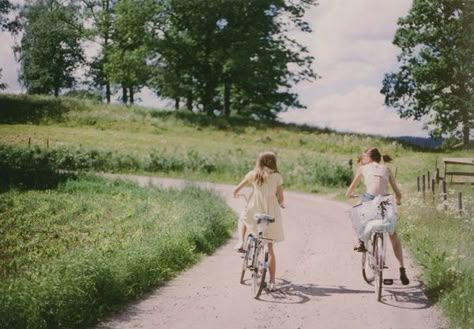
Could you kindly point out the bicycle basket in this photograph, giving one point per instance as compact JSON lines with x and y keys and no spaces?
{"x":379,"y":214}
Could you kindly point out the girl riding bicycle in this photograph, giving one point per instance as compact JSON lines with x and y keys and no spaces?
{"x":377,"y":177}
{"x":267,"y":197}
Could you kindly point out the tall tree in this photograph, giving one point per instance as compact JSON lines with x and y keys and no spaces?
{"x":127,"y":58}
{"x":233,"y":55}
{"x":50,"y":48}
{"x":101,"y":14}
{"x":436,"y":76}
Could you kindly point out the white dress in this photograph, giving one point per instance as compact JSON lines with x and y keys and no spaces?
{"x":264,"y":200}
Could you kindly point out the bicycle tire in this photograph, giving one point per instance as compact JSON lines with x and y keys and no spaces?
{"x":260,"y":270}
{"x":367,"y":268}
{"x":249,"y":245}
{"x":378,"y":254}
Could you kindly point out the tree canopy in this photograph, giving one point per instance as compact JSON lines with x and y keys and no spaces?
{"x":50,"y":49}
{"x":436,"y":76}
{"x":218,"y":56}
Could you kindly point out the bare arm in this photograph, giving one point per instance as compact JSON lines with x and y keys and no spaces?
{"x":279,"y":194}
{"x":354,"y":184}
{"x":395,"y":189}
{"x":239,"y":187}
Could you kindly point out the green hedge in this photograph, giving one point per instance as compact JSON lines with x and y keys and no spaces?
{"x":36,"y":109}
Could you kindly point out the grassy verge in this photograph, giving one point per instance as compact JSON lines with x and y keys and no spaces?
{"x":70,"y":255}
{"x":442,"y":242}
{"x":91,"y":136}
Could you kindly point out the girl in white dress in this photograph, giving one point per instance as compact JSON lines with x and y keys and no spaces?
{"x":267,"y":197}
{"x":377,"y":177}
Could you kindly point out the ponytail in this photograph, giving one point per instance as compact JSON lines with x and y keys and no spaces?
{"x":375,"y":155}
{"x":386,"y":158}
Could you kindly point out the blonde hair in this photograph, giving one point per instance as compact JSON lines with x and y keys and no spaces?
{"x":264,"y":160}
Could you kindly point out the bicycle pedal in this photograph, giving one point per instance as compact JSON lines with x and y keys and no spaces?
{"x":388,"y":282}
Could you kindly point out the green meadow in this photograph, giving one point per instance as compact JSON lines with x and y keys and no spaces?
{"x":61,"y":229}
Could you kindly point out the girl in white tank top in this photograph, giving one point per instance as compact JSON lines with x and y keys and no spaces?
{"x":377,"y":177}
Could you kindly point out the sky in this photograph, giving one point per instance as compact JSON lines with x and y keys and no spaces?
{"x":352,"y":45}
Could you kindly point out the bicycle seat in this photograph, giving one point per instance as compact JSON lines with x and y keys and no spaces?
{"x":260,"y":217}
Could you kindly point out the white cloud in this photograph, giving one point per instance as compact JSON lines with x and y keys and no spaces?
{"x":8,"y":64}
{"x":360,"y":110}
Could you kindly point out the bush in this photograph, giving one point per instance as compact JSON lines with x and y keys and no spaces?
{"x":36,"y":109}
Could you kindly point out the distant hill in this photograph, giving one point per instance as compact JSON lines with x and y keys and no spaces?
{"x":422,"y":141}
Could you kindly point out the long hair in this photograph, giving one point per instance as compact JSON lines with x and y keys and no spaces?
{"x":264,"y":160}
{"x":375,"y":155}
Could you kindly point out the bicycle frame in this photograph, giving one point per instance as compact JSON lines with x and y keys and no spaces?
{"x":373,"y":261}
{"x":256,"y":255}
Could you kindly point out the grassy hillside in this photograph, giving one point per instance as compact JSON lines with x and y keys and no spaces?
{"x":71,"y":134}
{"x":138,"y":132}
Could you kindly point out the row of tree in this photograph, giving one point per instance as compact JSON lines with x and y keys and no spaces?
{"x":235,"y":56}
{"x":214,"y":56}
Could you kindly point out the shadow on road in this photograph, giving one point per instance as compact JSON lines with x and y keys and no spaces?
{"x":292,"y":293}
{"x":411,"y":297}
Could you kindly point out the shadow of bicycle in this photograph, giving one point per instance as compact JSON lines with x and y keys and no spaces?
{"x":406,"y":297}
{"x":292,"y":293}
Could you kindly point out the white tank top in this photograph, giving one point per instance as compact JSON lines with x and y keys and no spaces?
{"x":376,"y":177}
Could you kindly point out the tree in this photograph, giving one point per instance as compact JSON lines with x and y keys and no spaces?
{"x":101,"y":13}
{"x":436,"y":76}
{"x":126,"y":62}
{"x":50,"y":48}
{"x":232,"y":55}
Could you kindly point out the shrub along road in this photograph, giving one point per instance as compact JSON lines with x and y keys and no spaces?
{"x":318,"y":274}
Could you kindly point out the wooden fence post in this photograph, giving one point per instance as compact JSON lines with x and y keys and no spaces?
{"x":433,"y":188}
{"x":428,"y":178}
{"x":418,"y":183}
{"x":445,"y":195}
{"x":423,"y":186}
{"x":460,"y":203}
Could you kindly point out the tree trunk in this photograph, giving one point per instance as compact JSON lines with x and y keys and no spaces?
{"x":124,"y":95}
{"x":132,"y":100}
{"x":189,"y":102}
{"x":176,"y":103}
{"x":107,"y":91}
{"x":465,"y":127}
{"x":208,"y":97}
{"x":227,"y":87}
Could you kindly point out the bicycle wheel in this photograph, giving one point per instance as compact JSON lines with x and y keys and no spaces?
{"x":367,"y":267}
{"x":247,"y":261}
{"x":260,"y":270}
{"x":378,"y":254}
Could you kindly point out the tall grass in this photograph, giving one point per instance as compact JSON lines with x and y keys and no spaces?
{"x":71,"y":255}
{"x":31,"y":166}
{"x":442,"y":242}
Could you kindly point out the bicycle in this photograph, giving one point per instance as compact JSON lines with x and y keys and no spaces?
{"x":256,"y":255}
{"x":378,"y":217}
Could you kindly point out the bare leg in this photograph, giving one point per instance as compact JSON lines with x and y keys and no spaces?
{"x":271,"y":263}
{"x":242,"y":229}
{"x":397,"y":247}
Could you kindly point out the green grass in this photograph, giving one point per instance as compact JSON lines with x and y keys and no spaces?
{"x":71,"y":255}
{"x":188,"y":145}
{"x":442,"y":242}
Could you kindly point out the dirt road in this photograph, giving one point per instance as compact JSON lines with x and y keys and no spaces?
{"x":317,"y":272}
